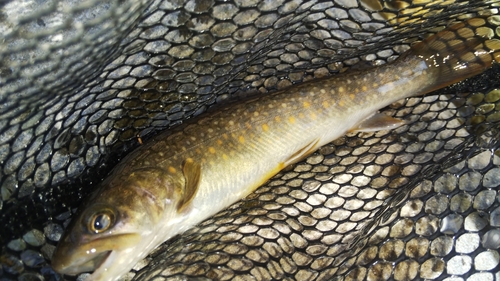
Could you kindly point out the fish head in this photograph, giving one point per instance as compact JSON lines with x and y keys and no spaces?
{"x":115,"y":227}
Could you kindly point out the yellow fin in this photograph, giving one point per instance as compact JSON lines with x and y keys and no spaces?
{"x":192,"y":176}
{"x":301,"y":153}
{"x":377,"y":122}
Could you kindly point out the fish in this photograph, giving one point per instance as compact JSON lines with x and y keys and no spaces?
{"x":185,"y":175}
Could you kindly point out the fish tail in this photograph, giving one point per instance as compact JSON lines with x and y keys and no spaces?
{"x":460,"y":51}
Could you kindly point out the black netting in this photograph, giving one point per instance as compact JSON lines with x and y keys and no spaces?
{"x":82,"y":82}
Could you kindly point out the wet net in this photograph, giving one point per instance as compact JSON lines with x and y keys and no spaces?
{"x":84,"y":82}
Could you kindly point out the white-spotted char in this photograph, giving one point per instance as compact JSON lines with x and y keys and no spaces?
{"x":184,"y":176}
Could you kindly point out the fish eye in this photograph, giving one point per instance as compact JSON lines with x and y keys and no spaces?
{"x":101,"y":221}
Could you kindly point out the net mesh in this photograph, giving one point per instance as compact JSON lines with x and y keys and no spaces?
{"x":83,"y":82}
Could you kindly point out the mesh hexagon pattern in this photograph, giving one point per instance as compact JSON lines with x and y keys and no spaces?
{"x":82,"y":83}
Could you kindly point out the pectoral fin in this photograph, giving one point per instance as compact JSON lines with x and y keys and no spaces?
{"x":192,"y":176}
{"x":378,"y":122}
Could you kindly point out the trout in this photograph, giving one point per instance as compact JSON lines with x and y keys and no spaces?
{"x":182,"y":177}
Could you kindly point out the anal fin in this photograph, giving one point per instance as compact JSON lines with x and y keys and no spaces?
{"x":377,"y":122}
{"x":192,"y":176}
{"x":302,"y":153}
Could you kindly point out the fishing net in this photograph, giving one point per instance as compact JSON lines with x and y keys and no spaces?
{"x":84,"y":82}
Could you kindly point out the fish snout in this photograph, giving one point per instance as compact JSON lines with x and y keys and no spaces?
{"x":71,"y":258}
{"x":65,"y":261}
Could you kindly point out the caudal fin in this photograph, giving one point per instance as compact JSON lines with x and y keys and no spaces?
{"x":460,"y":51}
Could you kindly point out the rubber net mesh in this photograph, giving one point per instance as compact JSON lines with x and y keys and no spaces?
{"x":81,"y":82}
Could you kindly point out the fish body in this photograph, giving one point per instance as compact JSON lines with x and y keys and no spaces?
{"x":181,"y":177}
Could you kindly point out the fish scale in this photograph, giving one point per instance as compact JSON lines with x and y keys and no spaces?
{"x":180,"y":178}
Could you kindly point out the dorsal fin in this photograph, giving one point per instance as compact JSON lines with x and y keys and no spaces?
{"x":192,"y":176}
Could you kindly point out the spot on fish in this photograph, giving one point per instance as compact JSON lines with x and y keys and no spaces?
{"x":211,"y":150}
{"x":277,"y":118}
{"x":313,"y":116}
{"x":341,"y":89}
{"x":231,"y":123}
{"x":352,"y":96}
{"x":224,"y":156}
{"x":291,"y":119}
{"x":341,"y":103}
{"x":241,"y":139}
{"x":306,"y":104}
{"x":172,"y":170}
{"x":325,"y":104}
{"x":219,"y":142}
{"x":256,"y":113}
{"x":265,"y":127}
{"x":364,"y":88}
{"x":283,"y":105}
{"x":408,"y":72}
{"x":322,"y":91}
{"x":301,"y":115}
{"x":375,"y":85}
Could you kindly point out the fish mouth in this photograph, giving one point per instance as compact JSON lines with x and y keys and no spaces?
{"x":98,"y":260}
{"x":82,"y":265}
{"x":74,"y":258}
